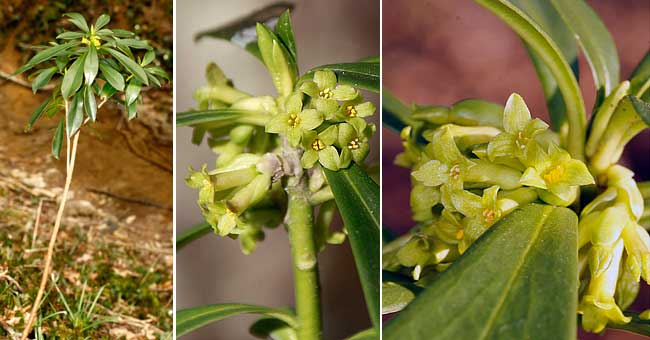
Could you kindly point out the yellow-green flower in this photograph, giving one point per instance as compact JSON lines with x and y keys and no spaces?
{"x":353,"y":141}
{"x":519,"y":132}
{"x":352,"y":109}
{"x":295,"y":121}
{"x":325,"y":93}
{"x":597,"y":305}
{"x":555,"y":173}
{"x":319,"y":148}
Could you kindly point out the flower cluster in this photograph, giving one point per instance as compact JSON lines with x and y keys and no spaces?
{"x":330,"y":127}
{"x":615,"y":248}
{"x":470,"y":176}
{"x":261,"y":140}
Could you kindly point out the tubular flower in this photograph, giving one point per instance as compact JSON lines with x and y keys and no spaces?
{"x":353,"y":140}
{"x":325,"y":92}
{"x":319,"y":148}
{"x":556,"y":174}
{"x":519,"y":132}
{"x":295,"y":121}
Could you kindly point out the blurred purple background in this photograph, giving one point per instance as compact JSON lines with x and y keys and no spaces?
{"x":439,"y":52}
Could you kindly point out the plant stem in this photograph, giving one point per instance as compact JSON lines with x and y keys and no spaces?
{"x":71,"y":156}
{"x":299,"y":221}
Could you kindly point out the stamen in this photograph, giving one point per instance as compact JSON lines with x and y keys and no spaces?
{"x":326,"y":93}
{"x":351,"y":111}
{"x":454,"y":172}
{"x":459,"y":234}
{"x":317,"y":145}
{"x":293,"y":120}
{"x":554,"y":175}
{"x":489,"y":215}
{"x":354,"y":144}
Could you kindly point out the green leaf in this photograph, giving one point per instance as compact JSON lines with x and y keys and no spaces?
{"x":132,"y":91}
{"x":120,"y":33}
{"x":357,"y":198}
{"x":73,"y":77}
{"x":637,"y":325}
{"x":363,"y":75}
{"x":368,"y":334}
{"x":132,"y":110}
{"x":91,"y":65}
{"x":130,"y":65}
{"x":220,"y":117}
{"x":75,"y":114}
{"x":45,"y":55}
{"x":148,"y":57}
{"x":190,"y":319}
{"x":90,"y":105}
{"x":37,"y":113}
{"x":595,"y":40}
{"x":78,"y":20}
{"x":112,"y":76}
{"x":192,"y":234}
{"x":102,"y":21}
{"x":43,"y":78}
{"x":640,"y":78}
{"x":284,"y":31}
{"x":70,"y":35}
{"x":281,"y":66}
{"x":548,"y":51}
{"x":272,"y":328}
{"x":517,"y":281}
{"x":134,"y":43}
{"x":395,"y":114}
{"x":545,"y":15}
{"x":57,"y":140}
{"x":237,"y":31}
{"x":394,"y":297}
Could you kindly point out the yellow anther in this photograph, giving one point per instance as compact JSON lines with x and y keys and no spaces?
{"x":354,"y":144}
{"x":351,"y":111}
{"x":554,"y":175}
{"x":317,"y":145}
{"x":454,"y":172}
{"x":326,"y":93}
{"x":489,"y":215}
{"x":294,"y":120}
{"x":459,"y":234}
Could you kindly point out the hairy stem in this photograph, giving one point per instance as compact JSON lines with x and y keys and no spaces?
{"x":71,"y":155}
{"x":299,"y":221}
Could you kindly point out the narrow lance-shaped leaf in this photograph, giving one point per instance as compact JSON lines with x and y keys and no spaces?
{"x":241,"y":32}
{"x":517,"y":281}
{"x":220,"y":117}
{"x":550,"y":22}
{"x":102,"y":21}
{"x":112,"y":76}
{"x":130,"y":65}
{"x":73,"y":77}
{"x":46,"y":54}
{"x":364,"y":75}
{"x":285,"y":33}
{"x":91,"y":65}
{"x":132,"y":91}
{"x":70,"y":35}
{"x":75,"y":114}
{"x":595,"y":40}
{"x":640,"y":78}
{"x":395,"y":114}
{"x":540,"y":42}
{"x":43,"y":78}
{"x":78,"y":20}
{"x":57,"y":140}
{"x":190,"y":319}
{"x":357,"y":198}
{"x":37,"y":113}
{"x":90,"y":105}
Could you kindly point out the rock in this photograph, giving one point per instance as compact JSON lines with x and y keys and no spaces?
{"x":80,"y":208}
